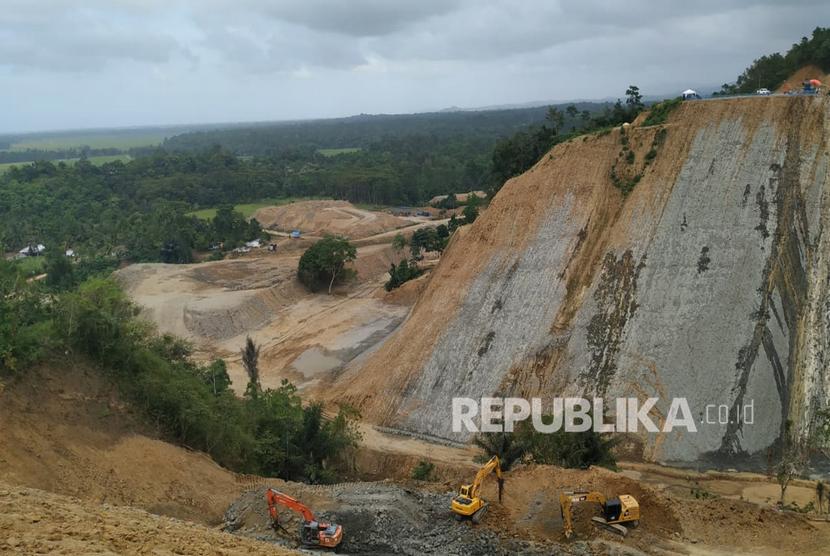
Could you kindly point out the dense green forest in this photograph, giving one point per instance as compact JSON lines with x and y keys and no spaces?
{"x":140,"y":209}
{"x":772,"y":70}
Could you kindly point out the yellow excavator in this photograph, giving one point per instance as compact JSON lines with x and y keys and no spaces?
{"x":468,"y":503}
{"x":616,"y":511}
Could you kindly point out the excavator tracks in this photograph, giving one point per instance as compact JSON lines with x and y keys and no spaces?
{"x":613,"y":527}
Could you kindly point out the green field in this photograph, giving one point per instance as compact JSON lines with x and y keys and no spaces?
{"x":114,"y":139}
{"x":335,"y":152}
{"x":248,"y":209}
{"x":96,"y":160}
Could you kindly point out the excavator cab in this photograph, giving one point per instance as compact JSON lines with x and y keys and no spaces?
{"x":623,"y":509}
{"x":315,"y":533}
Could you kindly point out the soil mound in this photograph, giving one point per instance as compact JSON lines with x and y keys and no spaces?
{"x":328,"y":217}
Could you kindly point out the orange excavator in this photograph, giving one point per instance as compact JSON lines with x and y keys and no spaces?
{"x":312,"y":531}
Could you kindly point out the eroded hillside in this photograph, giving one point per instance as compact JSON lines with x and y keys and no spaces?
{"x":708,"y":281}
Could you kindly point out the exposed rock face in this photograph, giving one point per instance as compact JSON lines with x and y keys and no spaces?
{"x":709,"y":281}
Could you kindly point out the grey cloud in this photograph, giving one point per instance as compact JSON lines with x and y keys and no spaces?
{"x":55,"y":35}
{"x":359,"y":18}
{"x":185,"y":60}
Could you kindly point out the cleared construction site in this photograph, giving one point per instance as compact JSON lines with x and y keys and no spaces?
{"x":708,"y":280}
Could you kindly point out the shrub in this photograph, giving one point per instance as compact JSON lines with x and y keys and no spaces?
{"x":568,"y":449}
{"x":509,"y":447}
{"x":659,"y":113}
{"x":402,"y":273}
{"x":423,"y":470}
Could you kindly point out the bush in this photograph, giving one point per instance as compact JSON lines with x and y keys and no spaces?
{"x":509,"y":447}
{"x":659,"y":113}
{"x":402,"y":273}
{"x":568,"y":449}
{"x":26,"y":330}
{"x":423,"y":470}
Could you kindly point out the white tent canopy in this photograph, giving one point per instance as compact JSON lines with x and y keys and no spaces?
{"x":689,"y":93}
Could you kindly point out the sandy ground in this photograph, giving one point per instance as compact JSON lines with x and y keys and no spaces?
{"x":37,"y":522}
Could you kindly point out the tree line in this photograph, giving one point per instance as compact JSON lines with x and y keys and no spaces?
{"x":772,"y":70}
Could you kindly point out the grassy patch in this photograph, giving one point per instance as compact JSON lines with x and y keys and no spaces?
{"x":335,"y":152}
{"x":114,"y":139}
{"x":248,"y":209}
{"x":659,"y":113}
{"x":31,"y":266}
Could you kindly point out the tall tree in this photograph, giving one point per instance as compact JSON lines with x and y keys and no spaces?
{"x":325,"y":261}
{"x":250,"y":361}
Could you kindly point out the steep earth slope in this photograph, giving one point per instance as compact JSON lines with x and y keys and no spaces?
{"x":709,"y":281}
{"x":64,"y":429}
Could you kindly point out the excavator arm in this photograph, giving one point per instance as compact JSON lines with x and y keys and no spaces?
{"x":492,"y":465}
{"x":275,"y":498}
{"x":566,"y":502}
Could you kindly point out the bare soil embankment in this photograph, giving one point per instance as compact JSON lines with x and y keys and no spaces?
{"x":708,"y":281}
{"x":33,"y":521}
{"x":64,"y":429}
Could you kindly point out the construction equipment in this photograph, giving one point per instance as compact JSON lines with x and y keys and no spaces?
{"x":312,"y":531}
{"x":616,"y":511}
{"x":468,"y":502}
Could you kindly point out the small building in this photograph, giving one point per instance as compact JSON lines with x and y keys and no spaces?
{"x":690,"y":94}
{"x":69,"y":253}
{"x":32,"y":250}
{"x":295,"y":234}
{"x":402,"y":211}
{"x":253,"y":244}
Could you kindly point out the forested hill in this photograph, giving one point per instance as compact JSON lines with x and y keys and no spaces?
{"x":479,"y":128}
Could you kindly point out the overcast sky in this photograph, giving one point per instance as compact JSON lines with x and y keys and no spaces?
{"x":103,"y":63}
